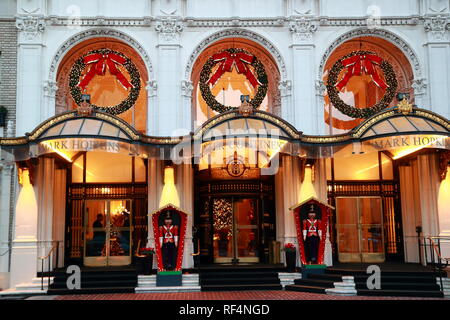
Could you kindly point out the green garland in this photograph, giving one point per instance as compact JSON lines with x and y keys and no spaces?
{"x":210,"y":99}
{"x":77,"y":70}
{"x":353,"y":112}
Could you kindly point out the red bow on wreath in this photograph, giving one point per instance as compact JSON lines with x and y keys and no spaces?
{"x":99,"y":63}
{"x":357,"y":64}
{"x":228,"y":60}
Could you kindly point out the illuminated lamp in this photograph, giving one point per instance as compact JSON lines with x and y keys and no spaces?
{"x":307,"y":188}
{"x":169,"y":194}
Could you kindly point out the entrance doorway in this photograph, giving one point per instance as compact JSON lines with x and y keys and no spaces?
{"x":235,"y":230}
{"x":107,"y":233}
{"x":359,"y":226}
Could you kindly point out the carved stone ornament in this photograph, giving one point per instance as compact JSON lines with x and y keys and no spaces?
{"x":302,"y":28}
{"x":437,"y":26}
{"x":169,"y":28}
{"x":30,"y":26}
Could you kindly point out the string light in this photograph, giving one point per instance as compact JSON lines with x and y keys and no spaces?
{"x":336,"y":101}
{"x":77,"y":71}
{"x":211,"y":100}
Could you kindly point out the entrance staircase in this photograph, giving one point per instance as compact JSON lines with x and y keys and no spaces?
{"x":411,"y":281}
{"x":96,"y":280}
{"x":240,"y":278}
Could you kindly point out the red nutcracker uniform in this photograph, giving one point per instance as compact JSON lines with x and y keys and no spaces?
{"x":168,"y":240}
{"x":312,"y":233}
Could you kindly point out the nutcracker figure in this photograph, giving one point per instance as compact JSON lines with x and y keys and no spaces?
{"x":312,"y":234}
{"x":168,"y":240}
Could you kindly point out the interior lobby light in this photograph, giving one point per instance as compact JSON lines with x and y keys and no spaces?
{"x":169,"y":192}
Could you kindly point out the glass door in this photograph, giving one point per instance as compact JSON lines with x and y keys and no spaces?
{"x":107,"y":233}
{"x":246,"y":230}
{"x":235,"y":225}
{"x":360,"y":229}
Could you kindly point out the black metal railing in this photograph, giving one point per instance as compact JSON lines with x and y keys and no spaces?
{"x":52,"y":259}
{"x":433,"y":255}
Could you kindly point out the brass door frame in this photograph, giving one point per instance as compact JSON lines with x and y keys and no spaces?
{"x":235,"y":258}
{"x":361,"y":256}
{"x":107,"y":260}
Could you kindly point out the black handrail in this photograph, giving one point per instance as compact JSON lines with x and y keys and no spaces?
{"x":440,"y":263}
{"x":49,"y":257}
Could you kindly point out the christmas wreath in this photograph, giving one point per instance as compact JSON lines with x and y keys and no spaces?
{"x":356,"y":62}
{"x":98,"y":61}
{"x":227,"y":59}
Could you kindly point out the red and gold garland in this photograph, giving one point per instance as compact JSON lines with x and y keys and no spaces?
{"x":98,"y":61}
{"x":228,"y":59}
{"x":356,"y":62}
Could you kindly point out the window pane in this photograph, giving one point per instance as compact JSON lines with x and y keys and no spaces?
{"x":107,"y":167}
{"x":357,"y":167}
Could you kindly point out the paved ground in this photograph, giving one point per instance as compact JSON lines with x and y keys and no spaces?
{"x":226,"y":295}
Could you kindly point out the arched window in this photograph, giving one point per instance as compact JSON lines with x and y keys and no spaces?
{"x":231,"y":85}
{"x":361,"y":91}
{"x":107,"y":90}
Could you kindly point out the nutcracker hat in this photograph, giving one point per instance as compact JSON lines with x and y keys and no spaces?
{"x":168,"y":215}
{"x":311,"y":210}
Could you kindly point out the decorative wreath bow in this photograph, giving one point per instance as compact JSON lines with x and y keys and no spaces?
{"x":99,"y":62}
{"x":228,"y":60}
{"x":355,"y":66}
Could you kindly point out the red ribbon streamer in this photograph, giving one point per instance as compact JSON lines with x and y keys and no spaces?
{"x":99,"y":62}
{"x":228,"y":60}
{"x":355,"y":66}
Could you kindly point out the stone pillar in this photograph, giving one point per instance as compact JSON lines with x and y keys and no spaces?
{"x":187,"y":88}
{"x":438,"y":51}
{"x":287,"y":193}
{"x":320,"y":186}
{"x":154,"y":194}
{"x":29,"y":79}
{"x":24,"y":248}
{"x":152,"y":107}
{"x":287,"y":108}
{"x":411,"y":215}
{"x":49,"y":108}
{"x":6,"y":171}
{"x":320,"y":107}
{"x":170,"y":119}
{"x":45,"y":189}
{"x":185,"y":187}
{"x":59,"y":211}
{"x":302,"y":48}
{"x":428,"y":181}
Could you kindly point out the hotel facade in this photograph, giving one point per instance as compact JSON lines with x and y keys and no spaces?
{"x":233,"y":112}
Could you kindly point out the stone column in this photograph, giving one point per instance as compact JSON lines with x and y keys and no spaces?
{"x":302,"y":48}
{"x":24,"y":248}
{"x":428,"y":181}
{"x":287,"y":193}
{"x":6,"y":171}
{"x":49,"y":108}
{"x":438,"y":51}
{"x":152,"y":107}
{"x":45,"y":189}
{"x":154,"y":194}
{"x":185,"y":187}
{"x":287,"y":109}
{"x":187,"y":88}
{"x":320,"y":107}
{"x":170,"y":119}
{"x":29,"y":68}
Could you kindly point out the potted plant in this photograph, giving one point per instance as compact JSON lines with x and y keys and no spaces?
{"x":289,"y":249}
{"x":3,"y":112}
{"x":145,"y":261}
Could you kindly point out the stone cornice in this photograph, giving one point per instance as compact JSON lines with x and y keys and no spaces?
{"x":323,"y":21}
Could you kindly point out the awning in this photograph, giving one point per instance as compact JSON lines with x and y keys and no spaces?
{"x":392,"y":129}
